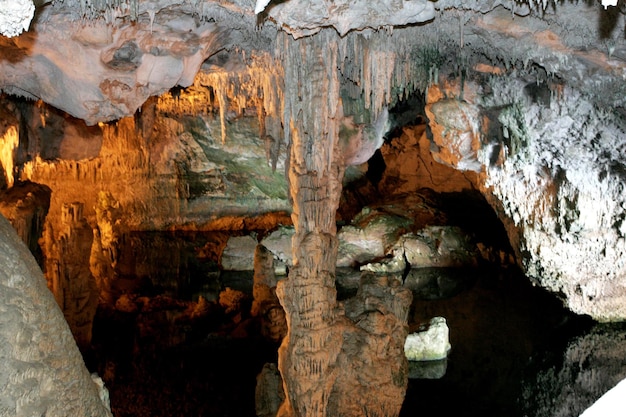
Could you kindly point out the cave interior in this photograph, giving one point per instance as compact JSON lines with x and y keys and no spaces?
{"x":244,"y":208}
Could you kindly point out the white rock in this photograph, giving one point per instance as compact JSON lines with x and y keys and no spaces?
{"x":15,"y":16}
{"x":429,"y":345}
{"x":102,"y":390}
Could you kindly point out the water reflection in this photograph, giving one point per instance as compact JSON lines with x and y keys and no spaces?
{"x":515,"y":350}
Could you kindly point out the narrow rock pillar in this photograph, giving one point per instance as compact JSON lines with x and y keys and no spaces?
{"x":309,"y":352}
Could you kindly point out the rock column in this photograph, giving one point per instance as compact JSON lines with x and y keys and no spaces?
{"x":337,"y":359}
{"x":309,"y":351}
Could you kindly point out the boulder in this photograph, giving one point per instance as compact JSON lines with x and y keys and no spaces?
{"x":430,"y":344}
{"x":440,"y":246}
{"x":370,"y":236}
{"x":433,"y":246}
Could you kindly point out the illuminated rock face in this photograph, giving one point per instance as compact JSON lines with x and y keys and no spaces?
{"x":114,"y":69}
{"x":331,"y":357}
{"x":554,"y":173}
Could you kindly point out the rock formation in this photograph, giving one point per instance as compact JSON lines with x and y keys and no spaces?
{"x":69,"y":276}
{"x":41,"y":371}
{"x":526,"y":97}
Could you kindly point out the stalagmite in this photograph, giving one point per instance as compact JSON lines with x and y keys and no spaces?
{"x":332,"y":355}
{"x":310,"y":348}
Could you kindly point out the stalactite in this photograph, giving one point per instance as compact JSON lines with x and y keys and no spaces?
{"x":254,"y":85}
{"x":8,"y":145}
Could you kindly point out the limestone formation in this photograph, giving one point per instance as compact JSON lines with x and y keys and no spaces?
{"x":429,"y":344}
{"x":269,"y":393}
{"x":301,"y":18}
{"x":68,"y":274}
{"x":105,"y":248}
{"x":371,"y":235}
{"x":265,"y":305}
{"x":15,"y":16}
{"x":526,"y":97}
{"x":127,"y":64}
{"x":26,"y":205}
{"x":41,"y":369}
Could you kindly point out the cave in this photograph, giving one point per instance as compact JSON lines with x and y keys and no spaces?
{"x":239,"y":208}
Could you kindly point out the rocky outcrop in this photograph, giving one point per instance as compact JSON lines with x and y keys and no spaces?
{"x":303,"y":18}
{"x":41,"y":371}
{"x":610,"y":404}
{"x":26,"y":205}
{"x":317,"y":356}
{"x":15,"y":17}
{"x":265,"y":305}
{"x":551,"y":170}
{"x":127,"y":63}
{"x":165,"y":170}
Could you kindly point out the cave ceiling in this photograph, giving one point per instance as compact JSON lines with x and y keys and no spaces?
{"x":99,"y":60}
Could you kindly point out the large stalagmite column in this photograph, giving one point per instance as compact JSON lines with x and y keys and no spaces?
{"x":337,"y":359}
{"x":313,"y":341}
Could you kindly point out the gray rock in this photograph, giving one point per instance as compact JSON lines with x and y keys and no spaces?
{"x":238,"y":254}
{"x":279,"y":243}
{"x":371,"y":235}
{"x":440,"y":246}
{"x":41,"y":369}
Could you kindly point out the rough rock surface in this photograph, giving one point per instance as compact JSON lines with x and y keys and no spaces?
{"x":551,"y":98}
{"x":552,"y":172}
{"x":238,"y":254}
{"x":41,"y":369}
{"x":68,"y":271}
{"x":15,"y":16}
{"x":26,"y":206}
{"x":127,"y":63}
{"x":610,"y":404}
{"x":430,"y":344}
{"x":304,"y":18}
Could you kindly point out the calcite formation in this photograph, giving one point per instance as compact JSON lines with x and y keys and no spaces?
{"x":528,"y":99}
{"x":69,"y":276}
{"x":41,"y":371}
